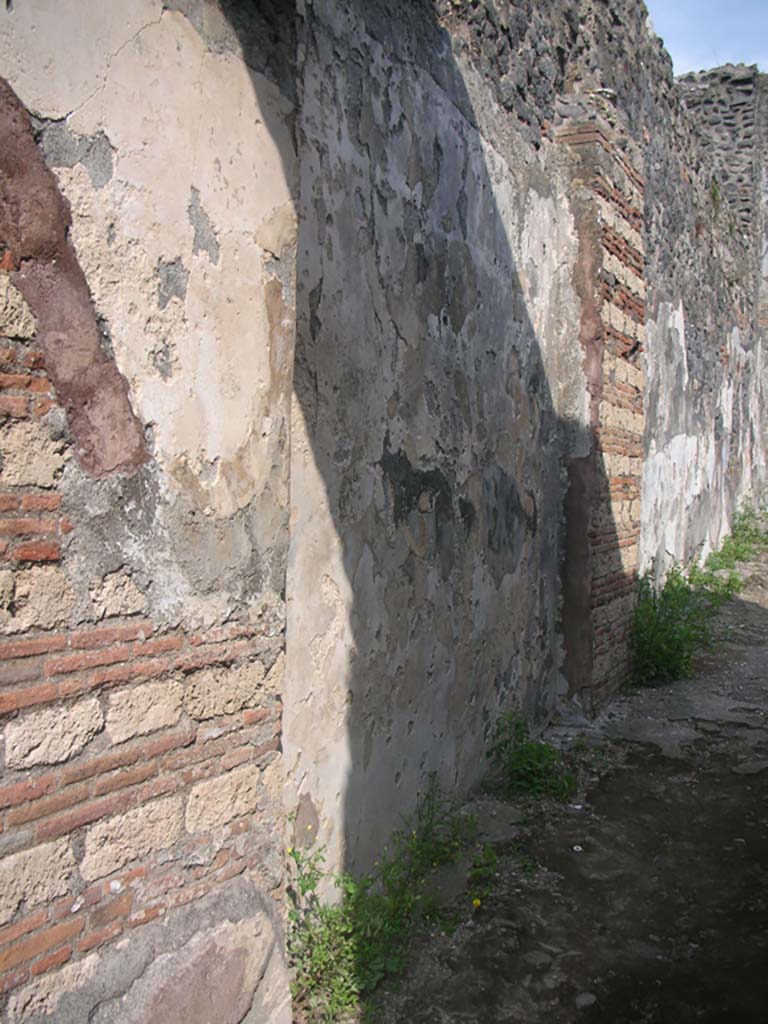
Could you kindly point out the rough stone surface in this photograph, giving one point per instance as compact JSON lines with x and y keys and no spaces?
{"x":32,"y":877}
{"x":16,"y":319}
{"x":31,"y":457}
{"x":41,"y":599}
{"x":225,"y":973}
{"x":125,"y":837}
{"x":215,"y":692}
{"x":117,"y":594}
{"x":143,"y":709}
{"x":149,"y":970}
{"x":6,"y":592}
{"x":52,"y":735}
{"x":213,"y":803}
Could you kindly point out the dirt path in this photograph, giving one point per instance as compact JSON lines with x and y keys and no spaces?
{"x":649,"y":901}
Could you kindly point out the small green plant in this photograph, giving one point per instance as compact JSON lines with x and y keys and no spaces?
{"x":342,"y":950}
{"x":527,"y":767}
{"x":527,"y":865}
{"x":483,"y":871}
{"x":671,"y":621}
{"x":748,"y":537}
{"x":716,"y":196}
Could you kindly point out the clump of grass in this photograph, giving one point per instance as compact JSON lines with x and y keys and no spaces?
{"x":527,"y":767}
{"x":748,"y":537}
{"x":669,"y":623}
{"x":672,"y":620}
{"x":483,"y":872}
{"x":341,"y":951}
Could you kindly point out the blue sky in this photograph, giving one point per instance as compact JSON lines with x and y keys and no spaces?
{"x":704,"y":33}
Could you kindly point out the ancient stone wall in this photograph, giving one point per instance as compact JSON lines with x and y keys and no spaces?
{"x":724,"y":107}
{"x":438,"y":390}
{"x":146,"y":319}
{"x":602,"y":510}
{"x":354,"y":358}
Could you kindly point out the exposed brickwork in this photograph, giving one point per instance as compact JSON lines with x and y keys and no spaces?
{"x":29,"y":532}
{"x":149,"y":747}
{"x":616,"y":389}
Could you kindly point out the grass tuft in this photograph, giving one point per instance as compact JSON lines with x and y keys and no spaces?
{"x":673,"y":620}
{"x":527,"y":767}
{"x":341,"y":951}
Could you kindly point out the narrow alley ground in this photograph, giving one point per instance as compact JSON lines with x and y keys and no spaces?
{"x":644,"y":899}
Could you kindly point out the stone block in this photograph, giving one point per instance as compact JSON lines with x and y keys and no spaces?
{"x":16,"y":319}
{"x":30,"y":456}
{"x":42,"y":599}
{"x":52,"y":735}
{"x":223,"y":691}
{"x":144,"y":709}
{"x":216,"y":801}
{"x":34,"y":876}
{"x":131,"y":836}
{"x":117,"y":595}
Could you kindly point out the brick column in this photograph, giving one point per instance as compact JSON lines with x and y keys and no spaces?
{"x":603,"y":505}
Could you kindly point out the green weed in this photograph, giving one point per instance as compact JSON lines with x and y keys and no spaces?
{"x":341,"y":951}
{"x":527,"y":767}
{"x":527,"y":865}
{"x":716,"y":196}
{"x":748,"y":538}
{"x":483,"y":872}
{"x":671,"y":621}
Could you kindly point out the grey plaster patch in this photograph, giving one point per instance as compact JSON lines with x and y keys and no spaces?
{"x":307,"y":822}
{"x":191,"y":565}
{"x":65,"y":148}
{"x":163,"y":359}
{"x":172,"y":278}
{"x":205,"y":236}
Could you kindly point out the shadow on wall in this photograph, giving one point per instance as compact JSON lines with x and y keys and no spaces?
{"x":429,"y":465}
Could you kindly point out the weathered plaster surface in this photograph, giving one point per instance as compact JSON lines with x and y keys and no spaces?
{"x":176,"y":159}
{"x":381,"y":177}
{"x":705,"y":398}
{"x":690,"y":488}
{"x":437,"y":364}
{"x":147,"y":218}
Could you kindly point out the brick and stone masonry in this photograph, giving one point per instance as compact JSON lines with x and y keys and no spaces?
{"x":354,"y":358}
{"x":604,"y":503}
{"x":139,"y":761}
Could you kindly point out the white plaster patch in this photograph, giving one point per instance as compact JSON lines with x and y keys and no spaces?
{"x":182,"y":346}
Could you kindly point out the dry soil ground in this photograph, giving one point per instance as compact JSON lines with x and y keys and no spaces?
{"x":644,"y":899}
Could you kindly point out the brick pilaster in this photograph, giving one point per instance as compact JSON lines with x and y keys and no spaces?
{"x":603,"y":509}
